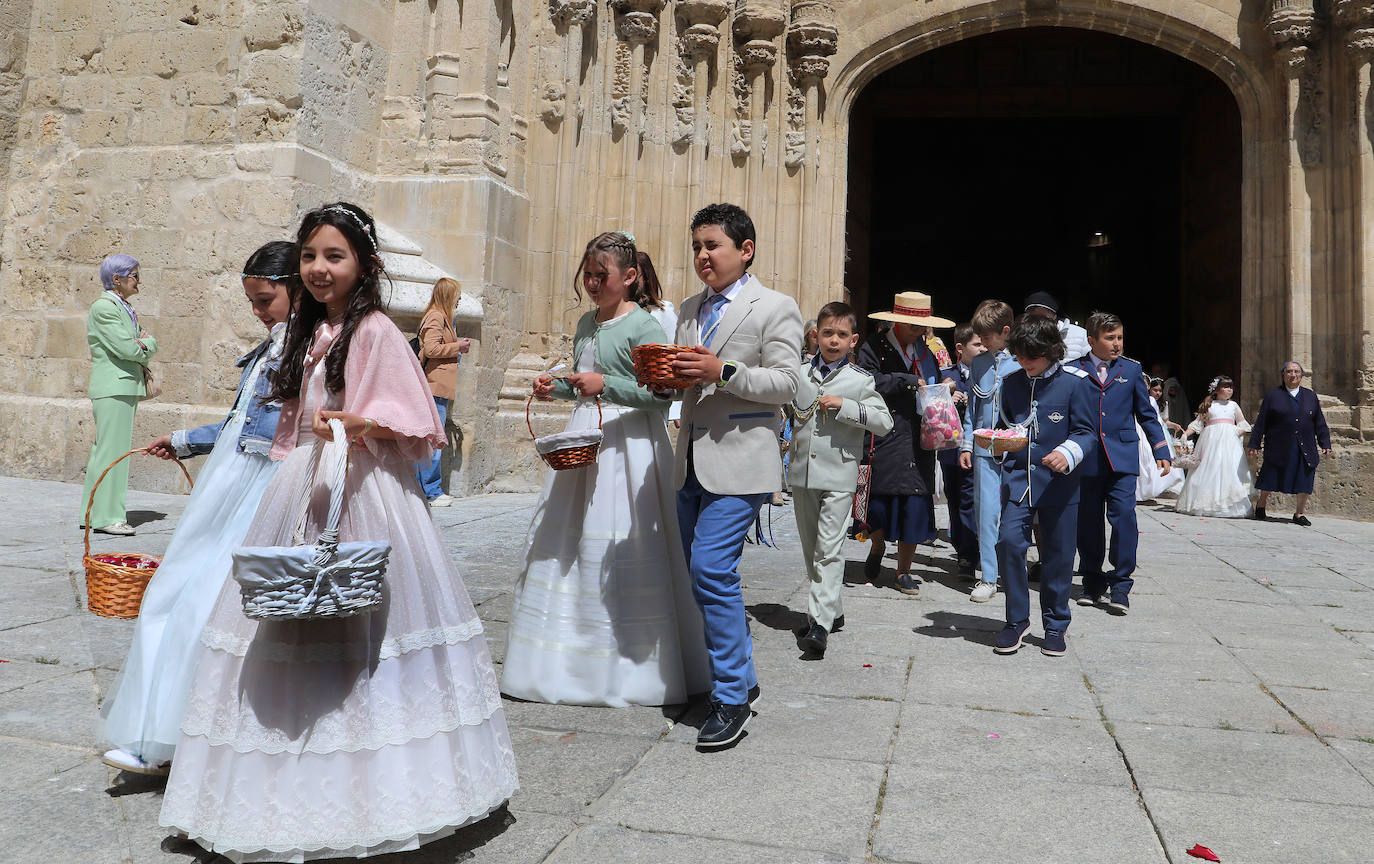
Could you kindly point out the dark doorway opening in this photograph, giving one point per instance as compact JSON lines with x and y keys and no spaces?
{"x":1100,"y":169}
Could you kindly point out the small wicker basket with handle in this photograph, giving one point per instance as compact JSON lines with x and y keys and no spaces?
{"x":654,"y":366}
{"x":567,"y":450}
{"x":115,"y":581}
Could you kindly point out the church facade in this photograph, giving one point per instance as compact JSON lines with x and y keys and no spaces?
{"x":492,"y":139}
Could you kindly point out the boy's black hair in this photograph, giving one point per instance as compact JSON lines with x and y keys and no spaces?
{"x":1101,"y":322}
{"x":1036,"y":336}
{"x":963,"y":334}
{"x":732,"y":220}
{"x":837,"y":309}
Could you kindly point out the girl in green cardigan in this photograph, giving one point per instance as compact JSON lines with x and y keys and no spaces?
{"x":603,"y":611}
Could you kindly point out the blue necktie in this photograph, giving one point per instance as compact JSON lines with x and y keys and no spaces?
{"x":708,"y":327}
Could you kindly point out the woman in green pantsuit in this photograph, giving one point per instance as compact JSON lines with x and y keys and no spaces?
{"x":120,"y":351}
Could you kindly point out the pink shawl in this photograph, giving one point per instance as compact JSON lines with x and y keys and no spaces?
{"x":382,"y":380}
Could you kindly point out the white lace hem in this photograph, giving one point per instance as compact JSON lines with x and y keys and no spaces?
{"x":331,"y":652}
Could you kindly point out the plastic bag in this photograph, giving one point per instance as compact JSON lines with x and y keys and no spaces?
{"x":940,"y":424}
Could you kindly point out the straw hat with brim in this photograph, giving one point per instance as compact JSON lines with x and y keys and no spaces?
{"x":912,"y":307}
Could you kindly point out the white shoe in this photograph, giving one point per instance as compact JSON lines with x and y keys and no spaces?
{"x":983,"y":592}
{"x":441,"y":500}
{"x":121,"y":529}
{"x":126,"y":761}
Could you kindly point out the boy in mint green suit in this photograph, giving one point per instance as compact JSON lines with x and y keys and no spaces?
{"x":120,"y":351}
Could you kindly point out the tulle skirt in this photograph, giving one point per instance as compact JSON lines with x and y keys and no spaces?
{"x":603,"y":612}
{"x":349,"y":737}
{"x":1150,"y":483}
{"x":143,"y":716}
{"x":1220,"y":485}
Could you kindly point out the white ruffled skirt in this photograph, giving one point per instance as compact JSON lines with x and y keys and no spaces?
{"x":603,"y":612}
{"x":351,"y":737}
{"x":1221,"y":484}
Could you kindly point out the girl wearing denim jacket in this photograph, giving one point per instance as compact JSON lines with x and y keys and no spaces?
{"x":143,"y":717}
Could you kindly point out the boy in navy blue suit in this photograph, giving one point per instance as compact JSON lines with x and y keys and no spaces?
{"x":1122,"y":399}
{"x":1055,"y":403}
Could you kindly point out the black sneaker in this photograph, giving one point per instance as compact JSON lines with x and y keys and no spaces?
{"x":1119,"y":604}
{"x":908,"y":584}
{"x":837,"y":624}
{"x":813,"y":643}
{"x":1009,"y":640}
{"x":754,"y":695}
{"x":724,"y":725}
{"x":1299,"y":519}
{"x":1053,"y":645}
{"x":873,"y":568}
{"x":1033,"y":572}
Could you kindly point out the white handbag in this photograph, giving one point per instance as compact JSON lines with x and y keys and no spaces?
{"x":326,"y":580}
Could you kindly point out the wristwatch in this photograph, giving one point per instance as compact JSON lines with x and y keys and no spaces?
{"x":727,"y":371}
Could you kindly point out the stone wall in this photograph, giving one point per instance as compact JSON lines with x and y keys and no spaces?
{"x":499,"y":137}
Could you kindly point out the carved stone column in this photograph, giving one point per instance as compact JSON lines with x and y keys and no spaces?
{"x":636,"y":25}
{"x":1292,"y":26}
{"x":1355,"y":20}
{"x":811,"y":38}
{"x":697,"y":45}
{"x":757,"y":23}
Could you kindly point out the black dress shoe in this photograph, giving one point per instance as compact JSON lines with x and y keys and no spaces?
{"x":1033,"y":572}
{"x":814,"y":641}
{"x":1259,"y":514}
{"x":724,"y":725}
{"x":1299,"y":519}
{"x":837,"y":624}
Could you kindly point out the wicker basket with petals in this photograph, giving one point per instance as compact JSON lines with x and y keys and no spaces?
{"x":115,"y":581}
{"x":654,"y":366}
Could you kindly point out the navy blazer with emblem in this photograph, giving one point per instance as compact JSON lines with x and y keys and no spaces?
{"x":1121,"y":402}
{"x":1058,"y":408}
{"x":1282,"y":418}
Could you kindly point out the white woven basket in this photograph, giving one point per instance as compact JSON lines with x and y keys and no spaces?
{"x":326,"y":580}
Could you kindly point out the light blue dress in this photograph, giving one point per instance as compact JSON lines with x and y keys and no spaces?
{"x":143,"y":715}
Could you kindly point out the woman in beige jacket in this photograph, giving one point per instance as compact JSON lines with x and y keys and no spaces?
{"x":440,"y":348}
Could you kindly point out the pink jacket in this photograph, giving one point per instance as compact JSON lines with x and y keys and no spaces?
{"x":382,"y":380}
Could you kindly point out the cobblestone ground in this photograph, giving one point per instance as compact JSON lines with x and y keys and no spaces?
{"x":1231,"y":708}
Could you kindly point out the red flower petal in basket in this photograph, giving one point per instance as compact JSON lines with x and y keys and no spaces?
{"x":1199,"y":851}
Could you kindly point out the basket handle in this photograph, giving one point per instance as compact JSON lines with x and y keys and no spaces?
{"x":90,"y":502}
{"x":530,"y":401}
{"x":328,"y":543}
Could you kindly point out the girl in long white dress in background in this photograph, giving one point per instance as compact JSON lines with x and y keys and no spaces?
{"x":1221,"y":484}
{"x":1150,"y":483}
{"x":142,"y":715}
{"x":603,"y":612}
{"x":344,"y":737}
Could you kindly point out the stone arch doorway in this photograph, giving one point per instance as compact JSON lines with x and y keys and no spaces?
{"x":1102,"y":169}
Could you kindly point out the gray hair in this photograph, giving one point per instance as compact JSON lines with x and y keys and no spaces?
{"x":1292,"y":363}
{"x":116,"y":265}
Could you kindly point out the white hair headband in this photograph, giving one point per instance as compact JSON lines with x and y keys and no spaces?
{"x":339,"y":208}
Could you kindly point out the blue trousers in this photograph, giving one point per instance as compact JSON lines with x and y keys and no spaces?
{"x":713,"y":530}
{"x":963,"y":526}
{"x":1057,"y":528}
{"x":987,"y":508}
{"x":1113,"y":493}
{"x":430,"y":474}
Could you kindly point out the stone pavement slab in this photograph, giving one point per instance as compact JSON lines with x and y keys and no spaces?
{"x":1230,"y":708}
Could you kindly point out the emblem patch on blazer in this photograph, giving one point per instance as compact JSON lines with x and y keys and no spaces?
{"x":1118,"y":379}
{"x":1056,"y":417}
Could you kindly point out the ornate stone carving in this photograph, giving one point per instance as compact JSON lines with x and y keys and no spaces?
{"x":812,"y":32}
{"x":621,"y":104}
{"x":757,"y":55}
{"x":1312,"y":111}
{"x":1291,"y":25}
{"x":551,"y":103}
{"x":698,"y":39}
{"x":759,"y":19}
{"x":571,"y":13}
{"x":1356,"y":17}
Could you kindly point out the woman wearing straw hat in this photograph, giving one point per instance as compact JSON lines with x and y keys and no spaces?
{"x":901,"y":506}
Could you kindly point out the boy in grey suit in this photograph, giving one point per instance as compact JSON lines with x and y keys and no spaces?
{"x":836,"y":404}
{"x":743,"y":366}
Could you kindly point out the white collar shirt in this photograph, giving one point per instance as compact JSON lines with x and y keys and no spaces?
{"x":730,"y":292}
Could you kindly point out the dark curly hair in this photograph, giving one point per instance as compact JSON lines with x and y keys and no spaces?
{"x":360,"y":231}
{"x":732,"y":220}
{"x":1036,"y":336}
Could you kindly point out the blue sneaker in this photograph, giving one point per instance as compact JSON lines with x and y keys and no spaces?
{"x":1009,"y":640}
{"x":1054,"y":645}
{"x":1119,"y":604}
